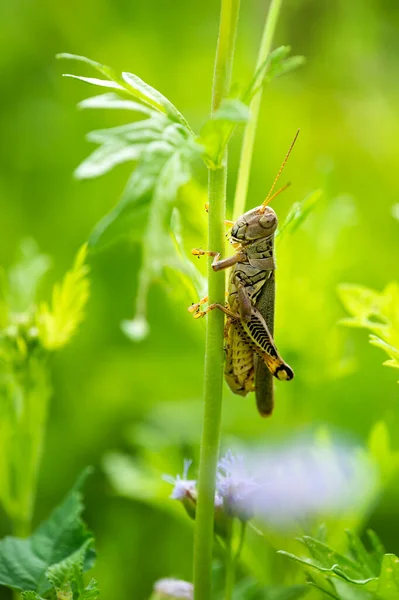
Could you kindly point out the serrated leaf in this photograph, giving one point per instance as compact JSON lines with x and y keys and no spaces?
{"x":57,"y":323}
{"x":348,"y":576}
{"x":163,"y":251}
{"x":91,"y":591}
{"x":31,"y":596}
{"x":132,"y":84}
{"x":376,"y":311}
{"x":70,"y":569}
{"x":25,"y":562}
{"x":141,"y":188}
{"x":121,"y":144}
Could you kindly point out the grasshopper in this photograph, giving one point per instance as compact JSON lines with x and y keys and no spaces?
{"x":251,"y":355}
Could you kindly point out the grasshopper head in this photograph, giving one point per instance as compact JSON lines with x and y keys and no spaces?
{"x":255,"y":224}
{"x":260,"y":222}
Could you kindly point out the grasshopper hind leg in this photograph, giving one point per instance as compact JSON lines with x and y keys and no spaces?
{"x":239,"y":368}
{"x":264,"y":392}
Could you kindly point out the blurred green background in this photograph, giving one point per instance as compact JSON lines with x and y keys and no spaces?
{"x":111,"y":394}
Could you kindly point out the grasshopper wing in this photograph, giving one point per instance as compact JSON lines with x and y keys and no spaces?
{"x":264,"y":385}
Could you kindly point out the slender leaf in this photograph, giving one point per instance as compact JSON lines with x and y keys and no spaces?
{"x":132,"y":84}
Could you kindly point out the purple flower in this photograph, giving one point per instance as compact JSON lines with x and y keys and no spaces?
{"x":174,"y":588}
{"x":183,"y":487}
{"x":236,"y":486}
{"x":290,"y":483}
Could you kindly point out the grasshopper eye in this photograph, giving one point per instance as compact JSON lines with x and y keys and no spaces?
{"x":268,"y":220}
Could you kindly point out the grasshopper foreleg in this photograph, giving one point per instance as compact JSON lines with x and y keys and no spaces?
{"x":198,"y":313}
{"x":217,"y":264}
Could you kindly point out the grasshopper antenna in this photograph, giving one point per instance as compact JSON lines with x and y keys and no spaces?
{"x":270,"y":196}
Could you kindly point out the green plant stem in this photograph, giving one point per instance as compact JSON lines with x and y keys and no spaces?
{"x":213,"y":384}
{"x":243,"y":531}
{"x":230,"y":571}
{"x":250,"y":130}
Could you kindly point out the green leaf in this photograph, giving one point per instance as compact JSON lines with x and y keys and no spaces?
{"x":114,"y":101}
{"x":70,"y":569}
{"x":91,"y":591}
{"x":125,"y":143}
{"x":376,"y":311}
{"x":24,"y":277}
{"x":133,"y":85}
{"x":163,"y":252}
{"x":388,"y":583}
{"x":31,"y":596}
{"x":387,"y":459}
{"x":172,"y":150}
{"x":24,"y":563}
{"x":57,"y":323}
{"x":298,"y":213}
{"x":275,"y":65}
{"x":217,"y":131}
{"x":363,"y":576}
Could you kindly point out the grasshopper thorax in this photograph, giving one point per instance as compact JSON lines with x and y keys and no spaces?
{"x":255,"y":224}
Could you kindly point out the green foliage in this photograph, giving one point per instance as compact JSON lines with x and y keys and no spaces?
{"x":165,"y":151}
{"x":376,"y":311}
{"x":278,"y":63}
{"x":129,"y":84}
{"x":26,"y":339}
{"x":360,"y":574}
{"x":55,"y":555}
{"x":298,"y":213}
{"x":57,"y":324}
{"x":217,"y":131}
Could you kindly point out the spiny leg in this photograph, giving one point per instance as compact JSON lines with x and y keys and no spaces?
{"x":197,"y":305}
{"x":201,"y":313}
{"x":217,"y":264}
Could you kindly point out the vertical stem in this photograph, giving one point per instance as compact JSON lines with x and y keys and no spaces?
{"x":230,"y":575}
{"x":203,"y":542}
{"x":250,"y":131}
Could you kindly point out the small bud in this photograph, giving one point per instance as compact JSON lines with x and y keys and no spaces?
{"x":173,"y":589}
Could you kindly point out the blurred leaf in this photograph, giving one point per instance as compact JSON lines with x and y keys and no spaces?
{"x":276,"y":64}
{"x":381,"y":451}
{"x":19,"y":286}
{"x":131,"y":84}
{"x":362,"y":575}
{"x":91,"y":591}
{"x":376,"y":311}
{"x":163,"y":252}
{"x":58,"y":323}
{"x":113,"y":101}
{"x":298,"y":213}
{"x":217,"y":131}
{"x":24,"y":563}
{"x":31,"y":596}
{"x":125,"y":143}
